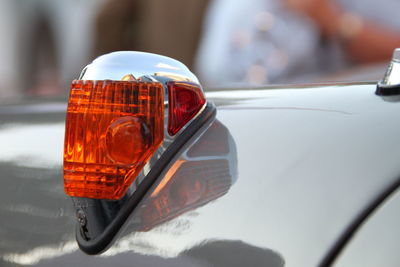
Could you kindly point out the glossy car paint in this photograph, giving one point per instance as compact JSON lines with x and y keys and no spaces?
{"x":377,"y":241}
{"x":303,"y":164}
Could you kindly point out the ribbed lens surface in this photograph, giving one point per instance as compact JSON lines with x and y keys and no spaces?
{"x":112,"y":129}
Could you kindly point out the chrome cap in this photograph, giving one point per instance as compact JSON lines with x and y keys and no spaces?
{"x":117,"y":65}
{"x":390,"y":84}
{"x":396,"y":55}
{"x":392,"y":75}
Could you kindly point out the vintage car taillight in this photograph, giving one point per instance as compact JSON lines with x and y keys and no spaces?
{"x":115,"y":121}
{"x":112,"y":129}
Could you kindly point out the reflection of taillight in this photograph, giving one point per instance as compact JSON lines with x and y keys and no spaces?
{"x":185,"y":101}
{"x":112,"y":129}
{"x":214,"y":142}
{"x":187,"y":191}
{"x":188,"y":186}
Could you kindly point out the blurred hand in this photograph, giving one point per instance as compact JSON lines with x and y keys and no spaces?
{"x":308,"y":7}
{"x":370,"y":42}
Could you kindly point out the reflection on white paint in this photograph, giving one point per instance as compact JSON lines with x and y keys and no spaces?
{"x":140,"y":243}
{"x":145,"y":243}
{"x":40,"y":253}
{"x":38,"y":146}
{"x":34,"y":211}
{"x":42,"y":108}
{"x":156,"y":242}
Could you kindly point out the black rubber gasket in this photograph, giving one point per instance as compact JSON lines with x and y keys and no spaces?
{"x":356,"y":224}
{"x":387,"y":90}
{"x":102,"y":242}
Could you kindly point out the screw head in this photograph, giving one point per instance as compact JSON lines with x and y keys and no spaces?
{"x":81,"y":216}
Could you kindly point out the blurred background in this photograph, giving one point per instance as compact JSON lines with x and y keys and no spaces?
{"x":46,"y":43}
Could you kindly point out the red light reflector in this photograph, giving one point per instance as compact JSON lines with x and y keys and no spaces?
{"x":112,"y":130}
{"x":185,"y":101}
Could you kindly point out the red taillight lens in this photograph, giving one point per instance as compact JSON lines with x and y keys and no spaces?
{"x":185,"y":101}
{"x":112,"y":129}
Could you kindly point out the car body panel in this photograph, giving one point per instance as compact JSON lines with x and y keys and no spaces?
{"x":377,"y":241}
{"x":303,"y":164}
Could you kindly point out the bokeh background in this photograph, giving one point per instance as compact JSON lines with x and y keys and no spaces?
{"x":45,"y":43}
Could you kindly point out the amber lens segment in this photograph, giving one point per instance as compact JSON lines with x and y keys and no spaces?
{"x":112,"y":130}
{"x":185,"y":101}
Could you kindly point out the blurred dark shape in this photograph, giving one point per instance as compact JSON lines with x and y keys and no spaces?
{"x":41,"y":66}
{"x":45,"y":44}
{"x":169,"y":28}
{"x":221,"y":253}
{"x":116,"y":26}
{"x":234,"y":253}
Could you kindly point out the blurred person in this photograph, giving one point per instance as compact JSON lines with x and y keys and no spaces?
{"x":51,"y":40}
{"x":9,"y":86}
{"x":116,"y":26}
{"x":171,"y":28}
{"x":275,"y":41}
{"x":367,"y":31}
{"x":254,"y":42}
